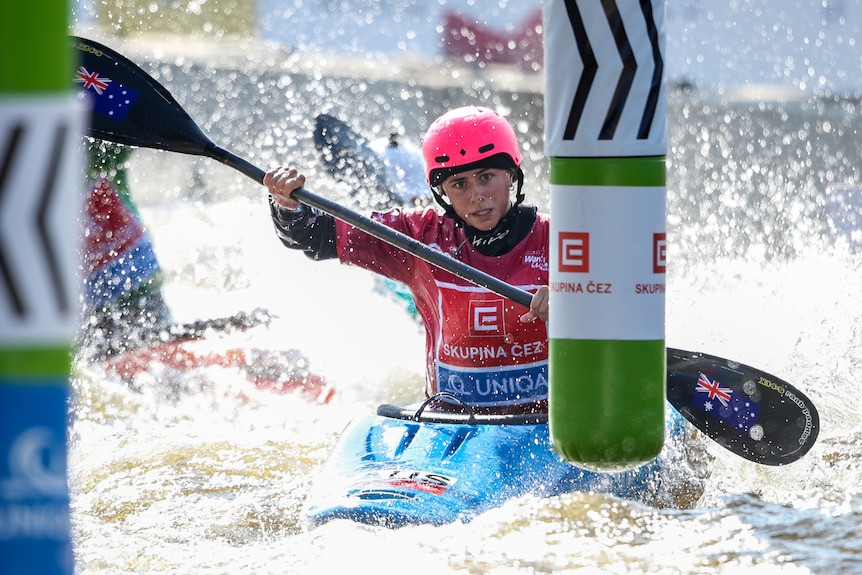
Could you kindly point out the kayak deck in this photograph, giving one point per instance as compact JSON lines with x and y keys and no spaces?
{"x":390,"y":469}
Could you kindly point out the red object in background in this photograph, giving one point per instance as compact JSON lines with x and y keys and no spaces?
{"x":271,"y":370}
{"x":466,"y":39}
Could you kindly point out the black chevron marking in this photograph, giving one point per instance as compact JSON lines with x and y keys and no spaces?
{"x":627,"y":74}
{"x":588,"y":59}
{"x":655,"y":86}
{"x":48,"y":189}
{"x":11,"y":150}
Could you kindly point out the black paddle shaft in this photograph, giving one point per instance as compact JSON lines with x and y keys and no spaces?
{"x":749,"y":412}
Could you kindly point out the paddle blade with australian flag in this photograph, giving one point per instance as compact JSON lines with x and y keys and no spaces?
{"x":108,"y":98}
{"x":132,"y":111}
{"x":764,"y":418}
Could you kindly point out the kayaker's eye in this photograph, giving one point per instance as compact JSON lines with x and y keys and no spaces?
{"x":456,"y":186}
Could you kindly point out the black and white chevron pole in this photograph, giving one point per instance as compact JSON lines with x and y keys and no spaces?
{"x":40,"y":201}
{"x":606,"y":135}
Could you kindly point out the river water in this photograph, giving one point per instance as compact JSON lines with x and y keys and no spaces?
{"x":209,"y":476}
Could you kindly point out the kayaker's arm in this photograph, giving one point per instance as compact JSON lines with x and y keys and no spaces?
{"x":297,"y":226}
{"x":305,"y":229}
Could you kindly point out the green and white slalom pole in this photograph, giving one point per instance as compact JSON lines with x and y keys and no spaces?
{"x":606,"y":135}
{"x":40,"y":202}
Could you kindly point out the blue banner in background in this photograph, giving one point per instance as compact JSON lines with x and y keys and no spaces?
{"x":34,"y":493}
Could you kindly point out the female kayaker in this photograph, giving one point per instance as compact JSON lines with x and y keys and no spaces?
{"x":486,"y":350}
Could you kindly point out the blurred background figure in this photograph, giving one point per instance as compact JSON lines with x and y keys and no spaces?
{"x":123,"y":304}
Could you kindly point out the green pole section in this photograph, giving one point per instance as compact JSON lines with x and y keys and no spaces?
{"x":605,"y":131}
{"x":35,"y":47}
{"x":40,"y":128}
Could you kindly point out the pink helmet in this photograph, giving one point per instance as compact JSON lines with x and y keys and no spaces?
{"x":467,"y":137}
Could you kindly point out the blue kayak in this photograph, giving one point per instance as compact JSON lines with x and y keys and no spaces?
{"x":407,"y":466}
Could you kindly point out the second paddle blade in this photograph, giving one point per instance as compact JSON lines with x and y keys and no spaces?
{"x":750,"y":412}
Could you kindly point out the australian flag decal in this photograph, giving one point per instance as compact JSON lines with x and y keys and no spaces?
{"x":737,"y":411}
{"x":108,"y":98}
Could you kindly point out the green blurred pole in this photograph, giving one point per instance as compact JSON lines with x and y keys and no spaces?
{"x":40,"y":200}
{"x":35,"y":48}
{"x":605,"y":131}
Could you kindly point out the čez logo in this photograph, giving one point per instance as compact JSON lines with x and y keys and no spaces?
{"x":574,"y":250}
{"x":659,"y":253}
{"x":486,"y":317}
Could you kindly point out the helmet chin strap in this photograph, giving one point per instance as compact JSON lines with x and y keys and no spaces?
{"x":449,"y":211}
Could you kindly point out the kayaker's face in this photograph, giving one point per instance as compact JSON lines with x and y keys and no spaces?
{"x":480,"y":197}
